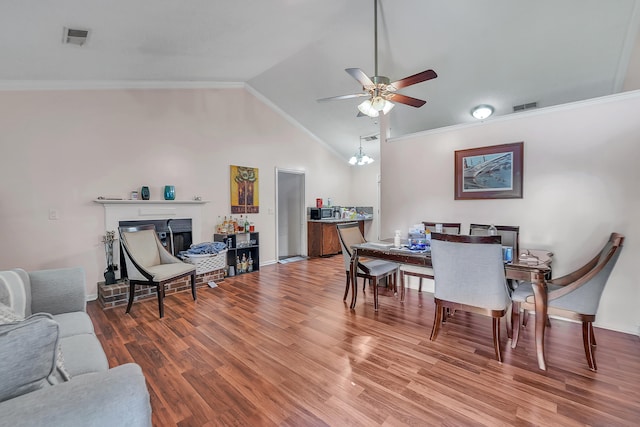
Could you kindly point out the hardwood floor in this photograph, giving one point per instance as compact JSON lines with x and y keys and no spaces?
{"x":279,"y":347}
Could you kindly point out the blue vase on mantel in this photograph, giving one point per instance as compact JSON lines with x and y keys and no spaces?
{"x":169,"y":192}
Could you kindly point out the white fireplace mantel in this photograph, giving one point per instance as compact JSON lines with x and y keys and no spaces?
{"x":137,"y":210}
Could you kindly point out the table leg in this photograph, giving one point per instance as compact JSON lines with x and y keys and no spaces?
{"x":353,"y":270}
{"x":540,"y":295}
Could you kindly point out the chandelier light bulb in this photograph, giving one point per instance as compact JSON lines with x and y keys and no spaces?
{"x":360,"y":158}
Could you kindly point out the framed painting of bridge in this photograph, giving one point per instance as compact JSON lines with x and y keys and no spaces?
{"x":493,"y":172}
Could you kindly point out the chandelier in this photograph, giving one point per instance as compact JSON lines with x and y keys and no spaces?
{"x":360,"y":158}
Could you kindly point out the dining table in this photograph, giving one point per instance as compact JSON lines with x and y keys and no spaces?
{"x":529,"y":265}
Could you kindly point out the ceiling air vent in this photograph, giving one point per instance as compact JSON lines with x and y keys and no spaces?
{"x":523,"y":107}
{"x":75,"y":36}
{"x":370,"y":138}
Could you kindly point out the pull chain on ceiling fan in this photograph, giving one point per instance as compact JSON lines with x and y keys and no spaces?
{"x":378,"y":89}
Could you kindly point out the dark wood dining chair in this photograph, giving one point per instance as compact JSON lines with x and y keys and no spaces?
{"x":575,"y":296}
{"x":372,"y":270}
{"x":423,"y":272}
{"x":148,"y":263}
{"x":469,"y":276}
{"x":510,"y":235}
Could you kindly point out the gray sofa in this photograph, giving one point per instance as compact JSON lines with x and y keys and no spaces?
{"x":53,"y":370}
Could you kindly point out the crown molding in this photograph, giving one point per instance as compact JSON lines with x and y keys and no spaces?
{"x":26,"y":85}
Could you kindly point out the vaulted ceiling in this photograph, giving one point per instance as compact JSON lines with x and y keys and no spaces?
{"x":293,"y":52}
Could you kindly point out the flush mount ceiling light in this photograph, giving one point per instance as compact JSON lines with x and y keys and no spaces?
{"x":481,"y":112}
{"x":360,"y":158}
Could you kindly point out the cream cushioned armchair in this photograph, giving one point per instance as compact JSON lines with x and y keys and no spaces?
{"x":149,"y":263}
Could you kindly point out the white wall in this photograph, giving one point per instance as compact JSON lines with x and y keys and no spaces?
{"x":364,"y":192}
{"x":63,"y":149}
{"x":581,"y":175}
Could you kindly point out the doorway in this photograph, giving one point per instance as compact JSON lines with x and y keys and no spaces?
{"x":291,"y":217}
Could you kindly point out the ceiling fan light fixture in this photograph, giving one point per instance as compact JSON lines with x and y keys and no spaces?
{"x":367,"y":109}
{"x":387,"y":106}
{"x":482,"y":111}
{"x":378,"y":102}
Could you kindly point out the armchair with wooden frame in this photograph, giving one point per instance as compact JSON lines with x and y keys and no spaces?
{"x":575,"y":296}
{"x":149,"y":263}
{"x":373,"y":270}
{"x":424,"y":272}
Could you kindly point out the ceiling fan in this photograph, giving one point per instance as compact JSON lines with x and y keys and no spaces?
{"x":379,"y":89}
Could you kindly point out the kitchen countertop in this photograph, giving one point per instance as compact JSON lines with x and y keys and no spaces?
{"x":333,"y":220}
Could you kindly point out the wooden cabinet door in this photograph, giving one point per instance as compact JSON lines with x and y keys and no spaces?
{"x":330,"y":240}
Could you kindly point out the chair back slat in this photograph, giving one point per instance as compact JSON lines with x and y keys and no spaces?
{"x":349,"y":234}
{"x":510,"y":234}
{"x":447,"y":227}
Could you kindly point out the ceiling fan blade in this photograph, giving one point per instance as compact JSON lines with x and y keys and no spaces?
{"x":360,"y":76}
{"x":416,"y":78}
{"x":335,"y":98}
{"x":404,"y":99}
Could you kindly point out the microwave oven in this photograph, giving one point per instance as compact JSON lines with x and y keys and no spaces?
{"x":321,"y":213}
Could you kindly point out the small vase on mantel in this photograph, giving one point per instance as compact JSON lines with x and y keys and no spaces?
{"x":144,"y":193}
{"x":169,"y":192}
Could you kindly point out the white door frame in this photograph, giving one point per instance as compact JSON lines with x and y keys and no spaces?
{"x":303,"y":234}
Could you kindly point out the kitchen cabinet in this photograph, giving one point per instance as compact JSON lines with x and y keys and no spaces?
{"x":322,"y":237}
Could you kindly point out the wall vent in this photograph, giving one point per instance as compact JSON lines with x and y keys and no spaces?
{"x":523,"y":107}
{"x":75,"y":36}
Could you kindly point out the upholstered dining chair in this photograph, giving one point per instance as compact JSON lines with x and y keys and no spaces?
{"x":373,"y":269}
{"x":469,"y":276}
{"x":575,"y":296}
{"x":424,"y":272}
{"x":149,"y":263}
{"x":510,"y":234}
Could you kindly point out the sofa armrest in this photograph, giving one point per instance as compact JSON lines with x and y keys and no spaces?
{"x":117,"y":397}
{"x":58,"y":291}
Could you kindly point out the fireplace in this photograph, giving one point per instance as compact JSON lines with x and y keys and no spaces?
{"x":179,"y":215}
{"x":182,"y":219}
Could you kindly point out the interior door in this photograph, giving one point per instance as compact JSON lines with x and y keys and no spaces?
{"x":291,"y":217}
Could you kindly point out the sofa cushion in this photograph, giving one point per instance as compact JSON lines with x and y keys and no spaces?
{"x":74,"y":323}
{"x":56,"y":291}
{"x":28,"y":355}
{"x":118,"y":397}
{"x":13,"y":293}
{"x":83,"y":354}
